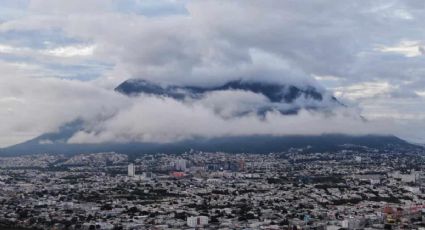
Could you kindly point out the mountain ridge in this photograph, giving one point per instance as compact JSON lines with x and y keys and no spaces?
{"x":57,"y":142}
{"x":276,"y":94}
{"x":259,"y":144}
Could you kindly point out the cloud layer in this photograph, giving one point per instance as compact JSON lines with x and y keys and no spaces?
{"x":59,"y":62}
{"x":155,"y":119}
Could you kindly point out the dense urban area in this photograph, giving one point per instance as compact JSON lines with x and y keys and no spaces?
{"x":353,"y":188}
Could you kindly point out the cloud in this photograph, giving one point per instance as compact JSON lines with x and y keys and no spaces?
{"x":406,"y":48}
{"x":364,"y":90}
{"x":32,"y":105}
{"x":369,"y":53}
{"x":69,"y":7}
{"x":201,"y":47}
{"x":155,"y":119}
{"x":71,"y":51}
{"x":61,"y":51}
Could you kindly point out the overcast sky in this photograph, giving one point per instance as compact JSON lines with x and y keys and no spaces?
{"x":60,"y":60}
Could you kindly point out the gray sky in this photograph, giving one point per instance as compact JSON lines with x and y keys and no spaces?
{"x":60,"y":60}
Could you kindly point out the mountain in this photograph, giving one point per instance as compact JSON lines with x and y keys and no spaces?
{"x":276,"y":94}
{"x":279,"y":96}
{"x":57,"y":143}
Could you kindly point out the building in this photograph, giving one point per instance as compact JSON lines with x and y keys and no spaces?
{"x":353,"y":223}
{"x":358,"y":159}
{"x":180,"y":165}
{"x":411,"y":189}
{"x":241,"y":165}
{"x":197,"y":221}
{"x":131,"y":170}
{"x":408,"y":178}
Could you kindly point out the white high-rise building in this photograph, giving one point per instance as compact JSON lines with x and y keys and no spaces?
{"x":131,"y":170}
{"x":180,"y":165}
{"x":197,"y":221}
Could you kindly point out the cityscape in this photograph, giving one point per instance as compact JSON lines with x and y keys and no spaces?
{"x":355,"y":188}
{"x":212,"y":114}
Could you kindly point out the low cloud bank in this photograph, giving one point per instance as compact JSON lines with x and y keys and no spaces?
{"x":156,"y":119}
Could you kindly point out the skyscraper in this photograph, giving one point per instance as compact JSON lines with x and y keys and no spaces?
{"x":180,"y":165}
{"x":131,"y":170}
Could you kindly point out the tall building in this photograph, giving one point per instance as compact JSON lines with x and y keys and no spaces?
{"x":131,"y":170}
{"x":241,"y":165}
{"x":180,"y":165}
{"x":197,"y":221}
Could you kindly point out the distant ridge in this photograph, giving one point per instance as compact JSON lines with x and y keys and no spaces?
{"x":249,"y":144}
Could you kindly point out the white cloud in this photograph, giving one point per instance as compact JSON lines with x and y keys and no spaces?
{"x":406,"y":48}
{"x":33,"y":106}
{"x":71,"y":51}
{"x":154,"y":119}
{"x":364,"y":90}
{"x":64,"y":51}
{"x":421,"y":93}
{"x":326,"y":78}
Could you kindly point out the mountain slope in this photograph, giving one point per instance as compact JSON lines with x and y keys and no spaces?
{"x":276,"y":94}
{"x":236,"y":144}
